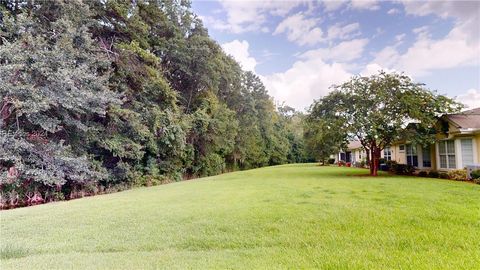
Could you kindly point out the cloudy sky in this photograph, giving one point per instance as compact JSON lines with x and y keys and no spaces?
{"x":300,"y":48}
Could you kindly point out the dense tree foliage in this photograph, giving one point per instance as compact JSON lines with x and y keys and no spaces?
{"x":323,"y":128}
{"x":118,"y":93}
{"x":377,"y":110}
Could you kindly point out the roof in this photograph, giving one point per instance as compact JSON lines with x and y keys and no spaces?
{"x":354,"y":145}
{"x":466,"y":120}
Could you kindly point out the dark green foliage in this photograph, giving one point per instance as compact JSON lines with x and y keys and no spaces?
{"x":443,"y":175}
{"x":52,"y":98}
{"x":118,"y":93}
{"x":402,"y":169}
{"x":433,"y":174}
{"x":422,"y":174}
{"x":475,"y":174}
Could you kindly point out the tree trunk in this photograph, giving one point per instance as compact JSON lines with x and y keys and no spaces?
{"x":370,"y":159}
{"x":375,"y":161}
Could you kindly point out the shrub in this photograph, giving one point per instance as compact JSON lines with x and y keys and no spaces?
{"x":422,"y":174}
{"x":388,"y":166}
{"x":381,"y":161}
{"x":348,"y":164}
{"x":360,"y":164}
{"x":433,"y":174}
{"x":402,"y":169}
{"x":331,"y":161}
{"x":475,"y":174}
{"x":443,"y":175}
{"x":341,"y":163}
{"x":458,"y":175}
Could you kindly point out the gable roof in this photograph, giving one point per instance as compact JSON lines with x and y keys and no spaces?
{"x":354,"y":145}
{"x":466,"y":120}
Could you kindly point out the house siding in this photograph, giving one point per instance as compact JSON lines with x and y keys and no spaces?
{"x":477,"y":146}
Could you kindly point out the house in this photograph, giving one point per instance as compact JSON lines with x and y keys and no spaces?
{"x":353,"y":153}
{"x":458,"y":140}
{"x":457,"y":145}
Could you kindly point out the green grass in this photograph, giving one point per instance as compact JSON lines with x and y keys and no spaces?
{"x":293,"y":216}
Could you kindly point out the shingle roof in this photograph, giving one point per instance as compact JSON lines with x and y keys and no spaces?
{"x":354,"y":145}
{"x":466,"y":119}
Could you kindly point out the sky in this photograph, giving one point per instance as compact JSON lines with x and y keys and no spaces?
{"x":301,"y":48}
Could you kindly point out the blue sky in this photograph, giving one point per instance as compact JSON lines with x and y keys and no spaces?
{"x":301,"y":48}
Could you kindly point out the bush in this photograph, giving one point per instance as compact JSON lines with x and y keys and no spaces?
{"x":388,"y":165}
{"x":402,"y":169}
{"x":475,"y":174}
{"x":331,"y":161}
{"x":360,"y":164}
{"x":381,"y":161}
{"x":341,"y":163}
{"x":443,"y":175}
{"x":458,"y":175}
{"x":422,"y":174}
{"x":433,"y":174}
{"x":476,"y":181}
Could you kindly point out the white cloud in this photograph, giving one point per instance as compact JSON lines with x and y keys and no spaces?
{"x":467,"y":13}
{"x":374,"y":68}
{"x":471,"y":98}
{"x":244,"y":16}
{"x":344,"y":52}
{"x":300,"y":29}
{"x":365,"y":4}
{"x":309,"y":78}
{"x":305,"y":31}
{"x":400,"y":37}
{"x":393,"y":11}
{"x":457,"y":49}
{"x":239,"y":51}
{"x":332,"y":5}
{"x":339,"y":31}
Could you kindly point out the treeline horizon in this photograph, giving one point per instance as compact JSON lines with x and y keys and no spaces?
{"x":100,"y":96}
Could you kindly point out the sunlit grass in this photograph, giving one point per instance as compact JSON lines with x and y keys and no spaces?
{"x":293,"y":216}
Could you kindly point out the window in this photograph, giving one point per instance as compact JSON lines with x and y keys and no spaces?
{"x":402,"y":148}
{"x":412,"y":157}
{"x":427,"y":159}
{"x":387,"y":153}
{"x":467,"y":151}
{"x":446,"y":150}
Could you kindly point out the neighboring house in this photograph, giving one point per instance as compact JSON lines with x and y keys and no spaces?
{"x":353,"y":153}
{"x":457,"y":145}
{"x":458,"y":140}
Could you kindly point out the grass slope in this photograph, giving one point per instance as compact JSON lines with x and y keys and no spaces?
{"x":293,"y":216}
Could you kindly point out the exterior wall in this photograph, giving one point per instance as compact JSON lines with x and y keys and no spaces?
{"x":477,"y":141}
{"x":400,"y":156}
{"x":459,"y":163}
{"x":433,"y":154}
{"x":358,"y":155}
{"x":397,"y":155}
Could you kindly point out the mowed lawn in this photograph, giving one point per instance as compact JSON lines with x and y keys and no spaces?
{"x":292,"y":216}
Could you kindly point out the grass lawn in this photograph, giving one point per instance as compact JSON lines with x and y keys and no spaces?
{"x":292,"y":216}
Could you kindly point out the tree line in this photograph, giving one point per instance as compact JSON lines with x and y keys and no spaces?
{"x":98,"y":96}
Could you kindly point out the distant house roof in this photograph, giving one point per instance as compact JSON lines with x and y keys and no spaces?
{"x":354,"y":145}
{"x":466,"y":120}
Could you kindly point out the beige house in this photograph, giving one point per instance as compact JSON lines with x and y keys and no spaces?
{"x":457,"y":145}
